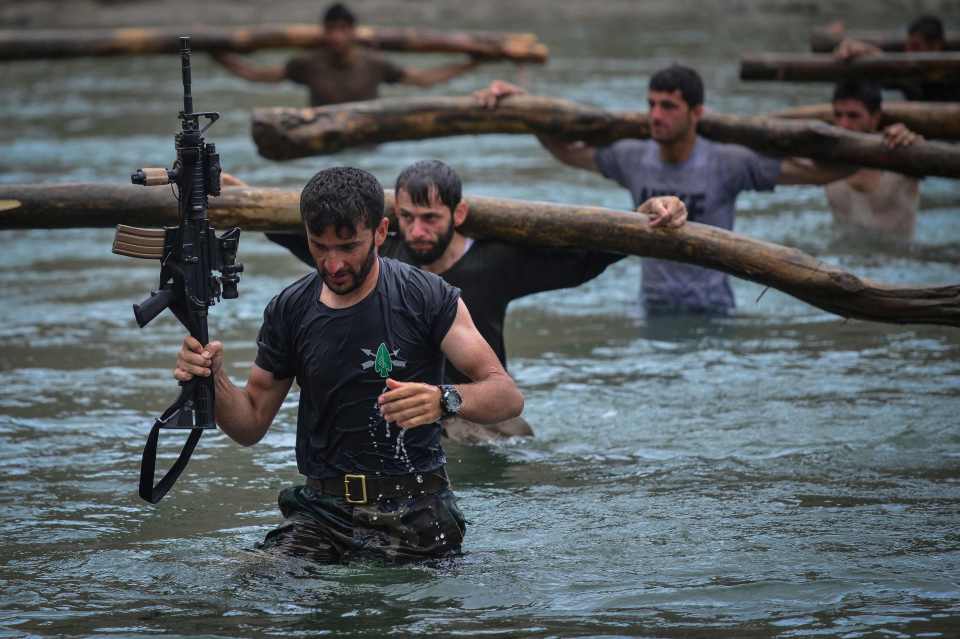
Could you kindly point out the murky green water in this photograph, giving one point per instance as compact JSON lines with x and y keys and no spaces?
{"x":778,"y":474}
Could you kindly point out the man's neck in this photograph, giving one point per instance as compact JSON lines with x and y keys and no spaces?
{"x":678,"y":151}
{"x":331,"y":299}
{"x":455,"y":250}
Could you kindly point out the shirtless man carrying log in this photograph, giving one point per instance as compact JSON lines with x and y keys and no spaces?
{"x":880,"y":203}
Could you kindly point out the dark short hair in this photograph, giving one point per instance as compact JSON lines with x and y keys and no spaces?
{"x":339,"y":13}
{"x":420,"y":177}
{"x":861,"y":90}
{"x":343,"y":197}
{"x":679,"y":78}
{"x":930,"y":27}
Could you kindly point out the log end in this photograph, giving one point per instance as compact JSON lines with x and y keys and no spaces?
{"x":277,"y":134}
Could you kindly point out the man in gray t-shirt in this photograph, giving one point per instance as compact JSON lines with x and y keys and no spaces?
{"x":708,"y":182}
{"x":676,"y":161}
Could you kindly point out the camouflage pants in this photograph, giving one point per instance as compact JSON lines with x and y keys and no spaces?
{"x":325,"y":528}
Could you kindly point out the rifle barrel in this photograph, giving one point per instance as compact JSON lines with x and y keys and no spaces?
{"x":185,"y":66}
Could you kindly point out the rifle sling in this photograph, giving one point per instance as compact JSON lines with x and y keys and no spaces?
{"x":148,"y":491}
{"x":170,"y":417}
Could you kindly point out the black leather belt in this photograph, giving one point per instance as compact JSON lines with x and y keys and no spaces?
{"x":356,"y":488}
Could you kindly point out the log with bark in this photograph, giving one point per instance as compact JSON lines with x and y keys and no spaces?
{"x":826,"y":39}
{"x":939,"y":120}
{"x":817,"y":67}
{"x":25,"y":44}
{"x":288,"y":133}
{"x":533,"y":223}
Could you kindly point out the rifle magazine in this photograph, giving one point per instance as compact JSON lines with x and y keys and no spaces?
{"x":147,"y":244}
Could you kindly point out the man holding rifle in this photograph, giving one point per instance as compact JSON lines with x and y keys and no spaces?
{"x":365,"y":337}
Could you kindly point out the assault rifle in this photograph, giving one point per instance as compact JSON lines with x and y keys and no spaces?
{"x":189,"y":255}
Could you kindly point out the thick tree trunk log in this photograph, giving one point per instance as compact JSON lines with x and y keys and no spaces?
{"x":819,"y":141}
{"x":825,"y":40}
{"x":287,"y":133}
{"x":814,"y":67}
{"x":534,"y":223}
{"x":41,"y":44}
{"x":930,"y":119}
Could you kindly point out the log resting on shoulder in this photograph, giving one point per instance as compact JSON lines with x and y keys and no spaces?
{"x":533,"y":223}
{"x":930,"y":119}
{"x":288,"y":133}
{"x":825,"y":40}
{"x":821,"y":67}
{"x":34,"y":44}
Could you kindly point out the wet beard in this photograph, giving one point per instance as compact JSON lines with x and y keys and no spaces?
{"x":357,"y":277}
{"x":432,"y":254}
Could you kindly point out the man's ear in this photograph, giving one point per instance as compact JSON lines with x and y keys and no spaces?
{"x":697,"y":111}
{"x":380,"y":233}
{"x":460,"y":213}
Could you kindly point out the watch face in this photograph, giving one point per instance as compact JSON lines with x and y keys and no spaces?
{"x":451,"y":400}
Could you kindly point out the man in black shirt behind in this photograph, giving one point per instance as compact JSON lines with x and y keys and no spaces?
{"x":489,"y":273}
{"x":924,"y":35}
{"x":365,"y":337}
{"x":342,"y":70}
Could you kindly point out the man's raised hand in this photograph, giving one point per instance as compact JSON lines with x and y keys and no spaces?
{"x":665,"y":211}
{"x":498,"y":89}
{"x":897,"y":135}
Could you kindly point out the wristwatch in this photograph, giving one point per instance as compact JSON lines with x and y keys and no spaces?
{"x":450,"y":400}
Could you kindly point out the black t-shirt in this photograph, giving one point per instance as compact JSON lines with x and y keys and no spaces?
{"x":340,"y":358}
{"x":491,"y":274}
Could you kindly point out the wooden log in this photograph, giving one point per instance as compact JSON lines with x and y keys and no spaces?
{"x":826,"y":39}
{"x":939,"y":120}
{"x":70,"y":43}
{"x":816,"y":67}
{"x":820,"y":141}
{"x":534,"y":223}
{"x":287,"y":133}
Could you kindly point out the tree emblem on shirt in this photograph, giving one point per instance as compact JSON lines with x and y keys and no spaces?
{"x":383,"y":361}
{"x":383,"y":364}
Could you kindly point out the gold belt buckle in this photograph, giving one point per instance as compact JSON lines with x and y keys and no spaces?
{"x":363,"y":488}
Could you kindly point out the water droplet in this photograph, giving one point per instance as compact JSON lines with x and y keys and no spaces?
{"x":419,"y":479}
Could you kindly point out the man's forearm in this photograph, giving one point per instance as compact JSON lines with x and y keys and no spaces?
{"x":236,"y":413}
{"x":491,"y":400}
{"x":426,"y":78}
{"x":805,"y":171}
{"x":576,"y":154}
{"x":238,"y":67}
